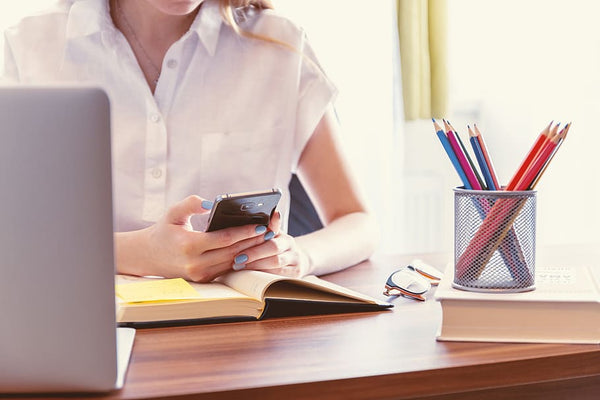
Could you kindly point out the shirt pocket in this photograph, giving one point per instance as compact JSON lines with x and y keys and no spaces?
{"x":239,"y":161}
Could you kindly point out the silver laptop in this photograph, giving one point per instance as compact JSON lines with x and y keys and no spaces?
{"x":57,"y":306}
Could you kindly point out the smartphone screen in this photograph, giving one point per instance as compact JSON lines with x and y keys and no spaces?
{"x":239,"y":209}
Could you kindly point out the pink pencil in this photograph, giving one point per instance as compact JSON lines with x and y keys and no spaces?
{"x":462,"y":159}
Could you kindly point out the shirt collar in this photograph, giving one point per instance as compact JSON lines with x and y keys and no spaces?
{"x":207,"y":24}
{"x":87,"y":17}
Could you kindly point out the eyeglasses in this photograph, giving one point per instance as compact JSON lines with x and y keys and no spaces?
{"x":413,"y":280}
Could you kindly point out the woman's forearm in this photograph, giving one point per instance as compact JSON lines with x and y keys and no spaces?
{"x":344,"y":242}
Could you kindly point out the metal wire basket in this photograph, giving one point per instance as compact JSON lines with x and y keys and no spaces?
{"x":494,"y":240}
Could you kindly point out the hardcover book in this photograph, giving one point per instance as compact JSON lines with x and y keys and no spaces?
{"x":564,"y":307}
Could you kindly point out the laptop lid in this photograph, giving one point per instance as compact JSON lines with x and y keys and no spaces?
{"x":57,"y":303}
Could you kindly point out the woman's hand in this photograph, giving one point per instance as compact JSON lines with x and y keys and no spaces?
{"x":279,"y":254}
{"x":171,"y":248}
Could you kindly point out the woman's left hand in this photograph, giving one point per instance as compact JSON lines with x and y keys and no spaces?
{"x":279,"y":255}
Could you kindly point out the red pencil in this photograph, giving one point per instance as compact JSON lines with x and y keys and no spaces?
{"x":561,"y":138}
{"x":540,"y":160}
{"x":530,"y":158}
{"x":499,"y":220}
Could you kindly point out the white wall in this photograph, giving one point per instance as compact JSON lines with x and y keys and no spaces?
{"x":514,"y":66}
{"x":517,"y":65}
{"x":354,"y":44}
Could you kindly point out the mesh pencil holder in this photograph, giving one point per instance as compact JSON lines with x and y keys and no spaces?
{"x":494,"y":240}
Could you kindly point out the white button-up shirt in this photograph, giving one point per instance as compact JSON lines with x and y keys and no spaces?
{"x":229,"y":114}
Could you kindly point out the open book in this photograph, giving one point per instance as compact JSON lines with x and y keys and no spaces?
{"x":241,"y":295}
{"x":563,"y":308}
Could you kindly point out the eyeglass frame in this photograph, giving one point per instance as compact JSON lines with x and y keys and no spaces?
{"x":422,"y":274}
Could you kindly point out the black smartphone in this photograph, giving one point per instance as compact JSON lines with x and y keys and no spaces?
{"x":239,"y":209}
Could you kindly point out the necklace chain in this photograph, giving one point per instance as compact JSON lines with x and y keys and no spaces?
{"x":137,"y":41}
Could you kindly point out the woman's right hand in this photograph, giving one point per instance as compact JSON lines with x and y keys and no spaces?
{"x":171,"y":248}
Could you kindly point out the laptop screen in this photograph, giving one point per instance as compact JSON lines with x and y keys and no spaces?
{"x":56,"y":241}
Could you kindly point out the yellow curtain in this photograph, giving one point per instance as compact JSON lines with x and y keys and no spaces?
{"x":422,"y":26}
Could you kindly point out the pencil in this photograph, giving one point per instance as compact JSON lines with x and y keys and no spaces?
{"x":533,"y":152}
{"x":488,"y":159}
{"x":542,"y":158}
{"x":505,"y":211}
{"x":466,"y":153}
{"x":483,"y":166}
{"x":561,"y":138}
{"x":491,"y":235}
{"x":448,"y":148}
{"x":452,"y":138}
{"x":510,"y":250}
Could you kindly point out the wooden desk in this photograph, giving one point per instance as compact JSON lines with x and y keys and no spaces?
{"x":389,"y":355}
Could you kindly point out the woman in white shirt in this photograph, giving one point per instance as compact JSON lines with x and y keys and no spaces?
{"x":207,"y":97}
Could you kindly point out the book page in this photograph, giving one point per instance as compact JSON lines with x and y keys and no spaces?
{"x":256,"y":284}
{"x":250,"y":283}
{"x":293,"y":291}
{"x":595,"y":272}
{"x":337,"y":289}
{"x":552,"y":283}
{"x":204,"y":291}
{"x":167,"y":302}
{"x":156,"y":290}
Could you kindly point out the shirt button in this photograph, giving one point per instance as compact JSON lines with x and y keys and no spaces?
{"x":172,"y":63}
{"x":156,"y":173}
{"x":154,"y":117}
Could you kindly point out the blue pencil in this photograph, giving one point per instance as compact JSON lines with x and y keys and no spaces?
{"x":510,"y":250}
{"x":466,"y":153}
{"x":446,"y":144}
{"x":481,"y":160}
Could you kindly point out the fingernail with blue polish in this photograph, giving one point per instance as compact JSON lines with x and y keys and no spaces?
{"x":260,"y":229}
{"x":242,"y":258}
{"x":269,"y":235}
{"x":237,"y":267}
{"x":207,"y":205}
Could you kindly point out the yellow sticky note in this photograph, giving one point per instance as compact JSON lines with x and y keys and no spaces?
{"x":156,"y":290}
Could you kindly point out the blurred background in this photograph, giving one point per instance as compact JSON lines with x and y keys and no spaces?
{"x":510,"y":67}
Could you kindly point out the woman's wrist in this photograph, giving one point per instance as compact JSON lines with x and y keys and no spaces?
{"x":129,"y":253}
{"x":305,"y":261}
{"x":342,"y":243}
